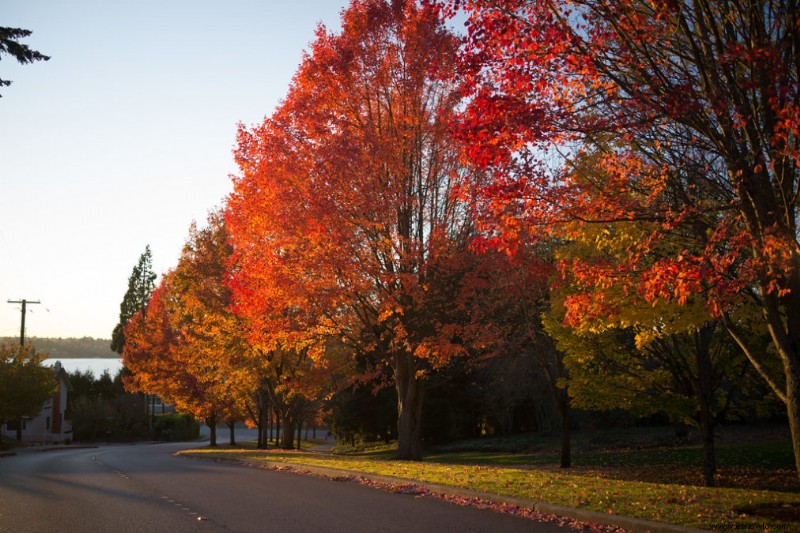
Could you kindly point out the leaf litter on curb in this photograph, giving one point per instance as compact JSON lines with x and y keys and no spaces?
{"x":479,"y":503}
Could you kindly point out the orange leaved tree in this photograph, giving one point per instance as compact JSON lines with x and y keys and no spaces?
{"x":186,"y":346}
{"x":346,"y":198}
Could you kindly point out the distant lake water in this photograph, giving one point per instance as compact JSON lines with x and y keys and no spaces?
{"x":96,"y":365}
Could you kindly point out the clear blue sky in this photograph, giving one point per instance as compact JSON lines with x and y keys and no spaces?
{"x":124,"y":137}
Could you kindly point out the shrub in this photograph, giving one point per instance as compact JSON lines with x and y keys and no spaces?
{"x":176,"y":427}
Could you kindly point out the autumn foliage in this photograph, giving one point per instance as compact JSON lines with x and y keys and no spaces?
{"x":345,"y":210}
{"x":605,"y":188}
{"x":182,"y":346}
{"x":678,"y":121}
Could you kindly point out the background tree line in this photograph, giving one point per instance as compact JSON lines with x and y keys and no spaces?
{"x":70,"y":347}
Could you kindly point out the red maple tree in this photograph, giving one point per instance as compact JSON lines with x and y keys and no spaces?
{"x":681,"y":114}
{"x":345,"y":201}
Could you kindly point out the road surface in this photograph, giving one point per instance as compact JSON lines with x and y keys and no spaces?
{"x":127,"y":488}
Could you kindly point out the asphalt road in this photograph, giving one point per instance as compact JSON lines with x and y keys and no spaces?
{"x":146,"y":488}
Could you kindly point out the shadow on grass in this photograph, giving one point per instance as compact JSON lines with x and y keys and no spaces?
{"x":752,"y":465}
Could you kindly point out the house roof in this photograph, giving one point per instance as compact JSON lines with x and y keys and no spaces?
{"x":62,"y":376}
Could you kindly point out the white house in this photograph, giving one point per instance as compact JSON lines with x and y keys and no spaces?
{"x":49,"y":425}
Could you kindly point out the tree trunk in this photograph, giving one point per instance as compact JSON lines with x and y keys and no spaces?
{"x":287,"y":437}
{"x":299,"y":434}
{"x":260,"y":437}
{"x":551,"y":361}
{"x":270,"y":425}
{"x":566,"y":444}
{"x":211,"y":422}
{"x":410,"y":393}
{"x":791,"y":359}
{"x":785,"y":334}
{"x":231,"y":426}
{"x":261,"y":418}
{"x":19,"y":429}
{"x":263,"y":427}
{"x":709,"y":456}
{"x":704,"y":392}
{"x":152,"y":411}
{"x":793,"y":407}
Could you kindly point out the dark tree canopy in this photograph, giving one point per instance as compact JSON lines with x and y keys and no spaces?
{"x":24,"y":383}
{"x":9,"y":44}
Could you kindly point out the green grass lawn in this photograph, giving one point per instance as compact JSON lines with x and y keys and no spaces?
{"x":768,"y":455}
{"x":534,"y":477}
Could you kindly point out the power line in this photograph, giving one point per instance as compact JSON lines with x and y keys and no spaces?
{"x":24,"y":308}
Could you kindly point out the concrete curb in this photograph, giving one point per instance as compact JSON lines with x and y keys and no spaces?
{"x":626,"y":522}
{"x":42,"y":449}
{"x":637,"y":525}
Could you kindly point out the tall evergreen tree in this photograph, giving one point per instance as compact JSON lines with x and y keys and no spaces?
{"x":141,"y":284}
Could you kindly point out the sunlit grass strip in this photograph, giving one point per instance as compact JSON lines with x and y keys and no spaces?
{"x":675,"y":504}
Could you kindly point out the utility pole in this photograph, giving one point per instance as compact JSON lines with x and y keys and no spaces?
{"x":24,"y":309}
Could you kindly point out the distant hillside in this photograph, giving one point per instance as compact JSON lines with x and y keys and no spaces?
{"x":85,"y":347}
